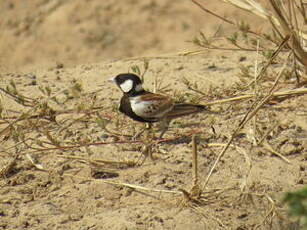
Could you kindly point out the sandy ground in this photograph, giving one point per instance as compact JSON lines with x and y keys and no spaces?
{"x":47,"y":47}
{"x":43,"y":32}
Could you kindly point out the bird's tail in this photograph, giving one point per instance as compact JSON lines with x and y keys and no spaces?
{"x":185,"y":109}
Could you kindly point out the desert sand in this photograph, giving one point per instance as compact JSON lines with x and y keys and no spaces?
{"x":72,"y":163}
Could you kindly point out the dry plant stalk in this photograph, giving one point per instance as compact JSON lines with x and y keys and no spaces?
{"x":195,"y":192}
{"x":274,"y":55}
{"x":27,"y":114}
{"x":250,"y":114}
{"x":286,"y":93}
{"x":249,"y":164}
{"x":269,"y":148}
{"x":98,"y":161}
{"x":284,"y":23}
{"x":287,"y":27}
{"x":194,"y":160}
{"x":132,"y":186}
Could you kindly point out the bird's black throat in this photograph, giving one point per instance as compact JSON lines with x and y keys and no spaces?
{"x":125,"y":106}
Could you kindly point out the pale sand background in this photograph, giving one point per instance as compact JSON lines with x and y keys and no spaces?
{"x":90,"y":38}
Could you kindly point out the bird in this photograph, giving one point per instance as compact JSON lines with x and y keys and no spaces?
{"x":147,"y":107}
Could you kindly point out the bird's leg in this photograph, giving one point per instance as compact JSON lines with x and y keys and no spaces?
{"x":147,"y":127}
{"x":164,"y":126}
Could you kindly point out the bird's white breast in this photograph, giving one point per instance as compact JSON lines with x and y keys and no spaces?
{"x":150,"y":109}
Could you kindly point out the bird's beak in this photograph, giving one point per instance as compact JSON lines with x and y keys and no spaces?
{"x":112,"y":79}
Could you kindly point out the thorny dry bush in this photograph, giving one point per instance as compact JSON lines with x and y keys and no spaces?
{"x":287,"y":19}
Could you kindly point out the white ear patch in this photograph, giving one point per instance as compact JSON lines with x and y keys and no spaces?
{"x":126,"y":86}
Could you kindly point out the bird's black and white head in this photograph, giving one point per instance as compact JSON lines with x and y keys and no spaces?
{"x":128,"y":83}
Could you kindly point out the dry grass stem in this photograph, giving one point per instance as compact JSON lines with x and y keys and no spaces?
{"x":288,"y":28}
{"x":270,"y":213}
{"x":200,"y":210}
{"x":219,"y":145}
{"x":270,"y":61}
{"x":267,"y":133}
{"x":251,"y":113}
{"x":249,"y":166}
{"x":166,"y":55}
{"x":287,"y":24}
{"x":212,"y":13}
{"x":194,"y":160}
{"x":36,"y":150}
{"x":283,"y":25}
{"x":269,"y":148}
{"x":98,"y":161}
{"x":132,"y":186}
{"x":256,"y":93}
{"x":28,"y":112}
{"x":292,"y":92}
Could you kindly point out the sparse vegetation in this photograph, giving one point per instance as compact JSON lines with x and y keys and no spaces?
{"x":233,"y":163}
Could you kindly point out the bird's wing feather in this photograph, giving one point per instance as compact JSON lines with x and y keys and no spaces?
{"x":150,"y":105}
{"x":180,"y":110}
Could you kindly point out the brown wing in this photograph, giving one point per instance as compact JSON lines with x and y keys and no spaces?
{"x":150,"y":105}
{"x":185,"y":109}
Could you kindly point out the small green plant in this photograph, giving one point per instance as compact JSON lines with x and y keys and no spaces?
{"x":297,"y":205}
{"x":137,"y":70}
